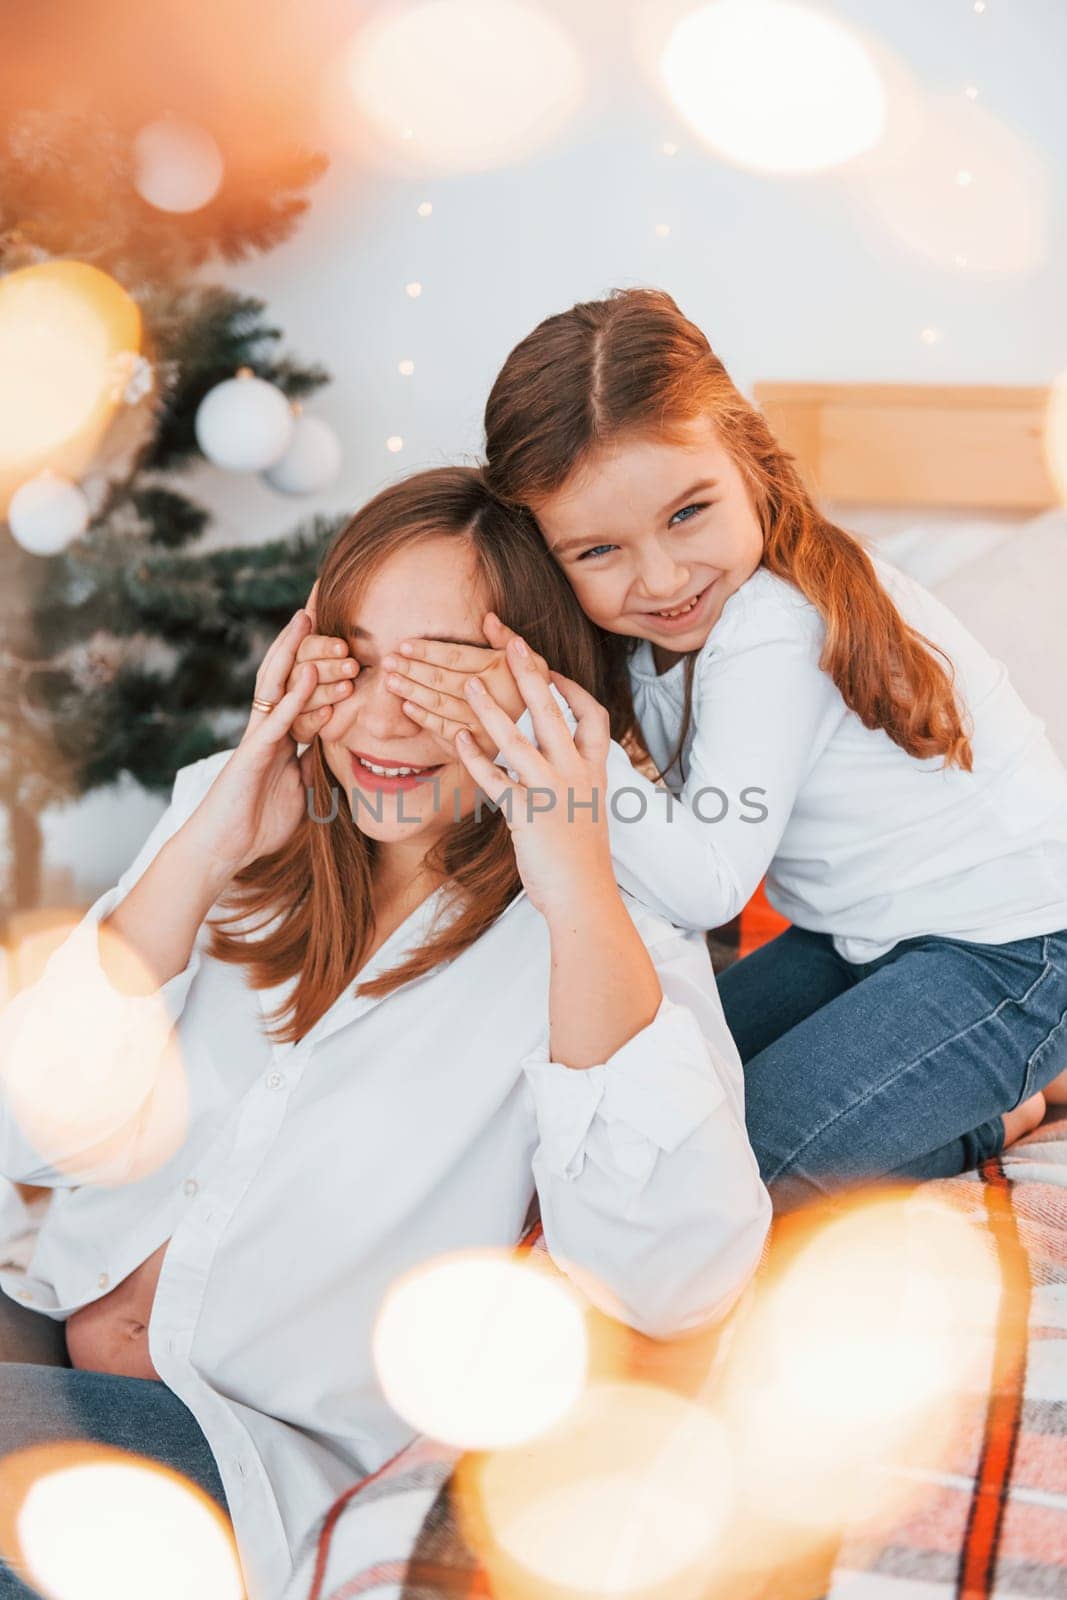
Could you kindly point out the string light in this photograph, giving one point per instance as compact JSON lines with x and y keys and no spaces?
{"x":394,"y":443}
{"x":413,"y":290}
{"x":662,"y":230}
{"x":669,"y":148}
{"x":979,"y":7}
{"x":964,"y":178}
{"x":426,"y":209}
{"x":405,"y":368}
{"x":931,"y":336}
{"x":971,"y":91}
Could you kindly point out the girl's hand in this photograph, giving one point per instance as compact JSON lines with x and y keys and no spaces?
{"x":430,"y":677}
{"x":556,"y":813}
{"x":259,"y":798}
{"x":335,"y":669}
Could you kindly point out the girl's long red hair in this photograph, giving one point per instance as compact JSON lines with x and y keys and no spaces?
{"x":306,"y":912}
{"x":632,"y":363}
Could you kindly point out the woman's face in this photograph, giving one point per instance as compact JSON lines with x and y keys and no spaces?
{"x":654,"y":536}
{"x":432,"y":590}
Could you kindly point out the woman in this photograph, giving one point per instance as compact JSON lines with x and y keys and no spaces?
{"x":461,"y":1008}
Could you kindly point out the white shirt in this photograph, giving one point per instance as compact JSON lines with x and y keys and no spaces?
{"x":856,"y":838}
{"x":312,"y":1175}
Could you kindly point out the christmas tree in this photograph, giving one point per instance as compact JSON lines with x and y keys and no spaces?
{"x":131,"y":649}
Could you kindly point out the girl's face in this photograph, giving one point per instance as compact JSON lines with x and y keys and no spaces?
{"x":432,"y":590}
{"x":655,"y":536}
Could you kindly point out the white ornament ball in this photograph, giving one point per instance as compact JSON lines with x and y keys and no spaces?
{"x":177,"y":165}
{"x":312,"y":460}
{"x":47,"y":513}
{"x":244,"y":424}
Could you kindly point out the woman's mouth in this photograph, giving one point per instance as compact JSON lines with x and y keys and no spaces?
{"x":386,"y":778}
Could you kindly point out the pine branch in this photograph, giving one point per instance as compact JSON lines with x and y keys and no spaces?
{"x":168,"y":518}
{"x":202,"y":336}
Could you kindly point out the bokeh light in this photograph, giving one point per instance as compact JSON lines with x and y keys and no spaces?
{"x":177,"y":165}
{"x":97,"y":1085}
{"x":632,"y":1491}
{"x":65,"y":330}
{"x":956,"y":187}
{"x":481,"y":1350}
{"x":92,"y":1523}
{"x":773,"y":85}
{"x":858,"y":1362}
{"x":1056,"y":435}
{"x":462,"y":85}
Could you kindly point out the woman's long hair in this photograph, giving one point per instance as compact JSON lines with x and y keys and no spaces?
{"x":632,"y":363}
{"x":306,"y":911}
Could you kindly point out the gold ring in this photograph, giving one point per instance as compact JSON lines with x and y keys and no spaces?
{"x":263,"y":705}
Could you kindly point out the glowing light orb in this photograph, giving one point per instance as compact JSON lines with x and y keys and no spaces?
{"x":858,"y":1359}
{"x":93,"y":1523}
{"x":1056,"y":434}
{"x":773,"y":85}
{"x":481,"y":1350}
{"x":464,"y":85}
{"x":97,"y":1087}
{"x":951,"y":180}
{"x":633,"y":1489}
{"x":65,"y":329}
{"x":177,"y":165}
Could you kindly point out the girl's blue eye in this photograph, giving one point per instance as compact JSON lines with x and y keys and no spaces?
{"x":595,"y":551}
{"x":682,"y":512}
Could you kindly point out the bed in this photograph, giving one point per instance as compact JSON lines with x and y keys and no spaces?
{"x":952,"y":485}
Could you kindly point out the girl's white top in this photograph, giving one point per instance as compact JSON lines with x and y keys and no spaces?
{"x":312,"y":1175}
{"x":856,"y":838}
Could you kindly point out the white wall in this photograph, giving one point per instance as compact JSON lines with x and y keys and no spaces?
{"x":790,"y":278}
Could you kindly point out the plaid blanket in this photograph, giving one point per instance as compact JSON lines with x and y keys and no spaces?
{"x":995,"y":1526}
{"x":992,"y":1527}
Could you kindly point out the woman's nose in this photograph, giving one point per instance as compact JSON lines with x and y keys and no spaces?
{"x":378,"y":709}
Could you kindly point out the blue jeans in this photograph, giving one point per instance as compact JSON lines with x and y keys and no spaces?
{"x":896,"y":1068}
{"x":43,"y":1398}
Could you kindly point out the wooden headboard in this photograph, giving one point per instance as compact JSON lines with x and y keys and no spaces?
{"x":915,"y":445}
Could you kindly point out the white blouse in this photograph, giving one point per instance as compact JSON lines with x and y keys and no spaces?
{"x":313,"y":1174}
{"x":856,"y":838}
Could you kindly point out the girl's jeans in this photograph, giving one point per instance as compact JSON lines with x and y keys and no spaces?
{"x":900,"y":1067}
{"x":43,"y":1398}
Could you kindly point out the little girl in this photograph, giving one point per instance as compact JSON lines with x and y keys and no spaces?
{"x":823,"y":722}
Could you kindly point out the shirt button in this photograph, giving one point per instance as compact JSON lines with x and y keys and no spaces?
{"x":274,"y":1080}
{"x":190,"y":1187}
{"x":103,"y":1280}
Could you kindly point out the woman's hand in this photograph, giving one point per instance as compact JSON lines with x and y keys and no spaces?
{"x":259,"y":797}
{"x":336,"y":669}
{"x":254,"y":805}
{"x":430,"y":678}
{"x":556,"y":812}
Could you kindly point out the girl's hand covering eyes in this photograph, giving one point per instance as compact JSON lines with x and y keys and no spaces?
{"x":336,"y":670}
{"x":557,"y":811}
{"x":430,"y":678}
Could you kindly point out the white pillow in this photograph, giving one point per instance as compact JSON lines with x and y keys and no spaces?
{"x":1014,"y":600}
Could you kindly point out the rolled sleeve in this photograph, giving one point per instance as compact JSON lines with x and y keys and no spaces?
{"x":651,"y":1198}
{"x":652,"y":1094}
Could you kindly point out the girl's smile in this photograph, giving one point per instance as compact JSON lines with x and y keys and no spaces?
{"x":655,"y":534}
